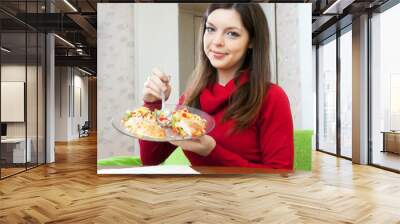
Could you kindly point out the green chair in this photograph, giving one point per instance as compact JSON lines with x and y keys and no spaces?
{"x":302,"y":157}
{"x":303,"y":149}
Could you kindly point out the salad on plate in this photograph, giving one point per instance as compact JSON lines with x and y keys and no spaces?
{"x":183,"y":123}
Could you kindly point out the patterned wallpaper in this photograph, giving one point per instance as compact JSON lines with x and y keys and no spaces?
{"x":115,"y":79}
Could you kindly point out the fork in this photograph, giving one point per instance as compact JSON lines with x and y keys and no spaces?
{"x":163,"y":110}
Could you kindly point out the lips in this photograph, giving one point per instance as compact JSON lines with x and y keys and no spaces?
{"x":217,"y":52}
{"x":218,"y":55}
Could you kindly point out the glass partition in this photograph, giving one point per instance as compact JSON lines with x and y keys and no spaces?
{"x":385,"y":89}
{"x":327,"y":96}
{"x":14,"y":152}
{"x":22,"y":77}
{"x":346,"y":94}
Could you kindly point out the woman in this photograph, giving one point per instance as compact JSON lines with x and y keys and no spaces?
{"x":231,"y":82}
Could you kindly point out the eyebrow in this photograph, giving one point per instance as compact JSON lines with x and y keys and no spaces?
{"x":228,"y":28}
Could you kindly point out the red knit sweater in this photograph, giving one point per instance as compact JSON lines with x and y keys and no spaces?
{"x":268,"y":143}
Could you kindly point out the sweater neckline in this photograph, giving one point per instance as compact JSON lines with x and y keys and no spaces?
{"x":243,"y":77}
{"x":216,"y":98}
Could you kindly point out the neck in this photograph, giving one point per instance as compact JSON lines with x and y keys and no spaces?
{"x":226,"y":75}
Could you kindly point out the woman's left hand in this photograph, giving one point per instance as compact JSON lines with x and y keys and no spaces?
{"x":202,"y":146}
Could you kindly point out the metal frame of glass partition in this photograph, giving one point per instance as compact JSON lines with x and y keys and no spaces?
{"x":44,"y":93}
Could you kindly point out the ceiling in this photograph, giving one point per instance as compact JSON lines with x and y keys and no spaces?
{"x":76,"y":22}
{"x":332,"y":15}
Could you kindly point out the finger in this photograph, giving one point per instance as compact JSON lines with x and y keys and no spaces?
{"x":163,"y":77}
{"x":187,"y":144}
{"x":149,"y":88}
{"x":175,"y":143}
{"x":154,"y":93}
{"x":182,"y":144}
{"x":156,"y":80}
{"x":168,"y":78}
{"x":156,"y":88}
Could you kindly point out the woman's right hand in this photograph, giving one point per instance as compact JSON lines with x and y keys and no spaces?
{"x":158,"y":81}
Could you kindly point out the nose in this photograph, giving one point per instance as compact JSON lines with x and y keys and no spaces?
{"x":218,"y":39}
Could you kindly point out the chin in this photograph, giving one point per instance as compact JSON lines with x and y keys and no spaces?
{"x":218,"y":65}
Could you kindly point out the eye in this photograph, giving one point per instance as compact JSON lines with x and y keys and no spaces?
{"x":233,"y":34}
{"x":209,"y":29}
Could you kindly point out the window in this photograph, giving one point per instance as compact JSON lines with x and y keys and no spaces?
{"x":385,"y":89}
{"x":327,"y":97}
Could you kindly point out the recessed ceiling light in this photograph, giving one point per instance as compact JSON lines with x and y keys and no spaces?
{"x":5,"y":50}
{"x":338,"y":6}
{"x":84,"y":71}
{"x":64,"y":40}
{"x":70,"y":5}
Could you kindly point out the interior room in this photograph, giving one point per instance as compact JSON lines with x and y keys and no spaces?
{"x":68,"y":66}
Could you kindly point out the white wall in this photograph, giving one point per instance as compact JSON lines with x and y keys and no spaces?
{"x":187,"y":40}
{"x":61,"y":103}
{"x":295,"y":61}
{"x":80,"y":114}
{"x":33,"y":127}
{"x":15,"y":72}
{"x":67,"y":80}
{"x":307,"y":79}
{"x":156,"y":44}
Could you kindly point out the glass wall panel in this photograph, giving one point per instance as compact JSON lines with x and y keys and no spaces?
{"x":346,"y":94}
{"x":327,"y":96}
{"x":13,"y":95}
{"x":22,"y":88}
{"x":385,"y":114}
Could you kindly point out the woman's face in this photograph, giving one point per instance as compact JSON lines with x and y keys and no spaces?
{"x":225,"y":39}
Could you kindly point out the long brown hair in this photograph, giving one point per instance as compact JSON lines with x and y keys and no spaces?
{"x":245,"y":104}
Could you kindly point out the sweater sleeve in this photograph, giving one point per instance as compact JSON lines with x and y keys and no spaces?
{"x":155,"y":153}
{"x":275,"y":136}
